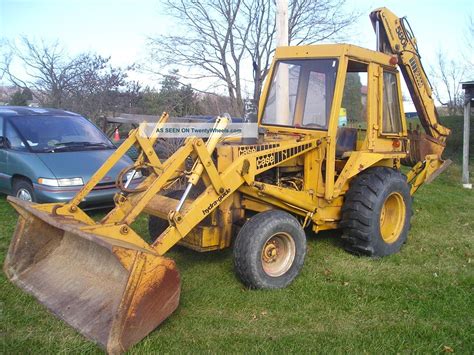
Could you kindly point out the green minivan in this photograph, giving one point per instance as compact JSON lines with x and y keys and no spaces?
{"x":47,"y":155}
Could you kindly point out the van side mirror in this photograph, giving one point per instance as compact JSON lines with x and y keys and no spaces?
{"x":4,"y":143}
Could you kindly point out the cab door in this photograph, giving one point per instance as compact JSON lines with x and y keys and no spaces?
{"x":391,"y":123}
{"x":353,"y":115}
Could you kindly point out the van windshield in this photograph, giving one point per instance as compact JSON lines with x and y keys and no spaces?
{"x":60,"y":133}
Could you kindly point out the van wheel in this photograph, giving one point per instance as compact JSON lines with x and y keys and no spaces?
{"x":376,"y":213}
{"x":23,"y":190}
{"x":269,"y":250}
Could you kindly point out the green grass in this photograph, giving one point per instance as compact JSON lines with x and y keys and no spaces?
{"x":420,"y":300}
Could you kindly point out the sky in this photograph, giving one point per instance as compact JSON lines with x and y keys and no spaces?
{"x":120,"y":28}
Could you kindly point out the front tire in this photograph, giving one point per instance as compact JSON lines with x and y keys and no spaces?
{"x":376,"y":213}
{"x":269,"y":250}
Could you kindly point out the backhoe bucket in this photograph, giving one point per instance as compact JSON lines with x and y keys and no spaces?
{"x":113,"y":292}
{"x":421,"y":145}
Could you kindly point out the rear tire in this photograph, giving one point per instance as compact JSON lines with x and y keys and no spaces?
{"x":376,"y":213}
{"x":23,"y":189}
{"x":269,"y":250}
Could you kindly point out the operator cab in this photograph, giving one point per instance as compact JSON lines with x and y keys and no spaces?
{"x":301,"y":93}
{"x":341,"y":92}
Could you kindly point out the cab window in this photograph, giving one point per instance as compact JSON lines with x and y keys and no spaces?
{"x":391,"y":118}
{"x":301,"y":93}
{"x":353,"y":112}
{"x":352,"y":121}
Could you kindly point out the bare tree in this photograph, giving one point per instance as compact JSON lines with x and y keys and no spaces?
{"x":212,"y":43}
{"x":51,"y":75}
{"x":224,"y":39}
{"x":101,"y":88}
{"x":447,"y":75}
{"x":3,"y":49}
{"x":85,"y":83}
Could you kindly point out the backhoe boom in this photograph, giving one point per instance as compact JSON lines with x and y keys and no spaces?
{"x":395,"y":37}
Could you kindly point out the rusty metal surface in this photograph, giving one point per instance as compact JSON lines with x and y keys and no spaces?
{"x":152,"y":294}
{"x":68,"y":224}
{"x":160,"y":206}
{"x":442,"y":168}
{"x":85,"y":283}
{"x":421,"y":145}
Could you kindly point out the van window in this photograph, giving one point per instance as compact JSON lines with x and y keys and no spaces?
{"x":60,"y":133}
{"x":14,"y":139}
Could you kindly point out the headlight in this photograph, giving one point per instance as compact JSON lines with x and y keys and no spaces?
{"x":138,"y":175}
{"x":61,"y":182}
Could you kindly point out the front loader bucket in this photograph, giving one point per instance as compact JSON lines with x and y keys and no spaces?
{"x":113,"y":292}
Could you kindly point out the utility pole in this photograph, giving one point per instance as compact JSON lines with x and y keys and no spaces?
{"x":468,"y":98}
{"x":282,"y":80}
{"x":282,"y":22}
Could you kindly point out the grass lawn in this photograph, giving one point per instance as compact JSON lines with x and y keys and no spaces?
{"x":420,"y":300}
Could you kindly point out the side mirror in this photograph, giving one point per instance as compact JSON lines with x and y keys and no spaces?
{"x":4,"y":142}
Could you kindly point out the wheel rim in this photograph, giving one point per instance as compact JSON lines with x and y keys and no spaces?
{"x":24,"y":194}
{"x":392,"y":217}
{"x":278,"y":254}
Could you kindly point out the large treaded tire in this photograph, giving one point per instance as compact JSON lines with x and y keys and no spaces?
{"x":252,"y":240}
{"x":364,"y":202}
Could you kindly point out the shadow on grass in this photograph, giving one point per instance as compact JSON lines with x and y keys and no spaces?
{"x":331,"y":238}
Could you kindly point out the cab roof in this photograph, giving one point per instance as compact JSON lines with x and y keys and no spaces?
{"x":333,"y":51}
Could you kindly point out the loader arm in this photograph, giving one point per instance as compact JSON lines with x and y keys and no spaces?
{"x":251,"y":162}
{"x":102,"y":277}
{"x":394,"y":36}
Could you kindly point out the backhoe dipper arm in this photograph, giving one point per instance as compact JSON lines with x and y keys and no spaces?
{"x":394,"y":36}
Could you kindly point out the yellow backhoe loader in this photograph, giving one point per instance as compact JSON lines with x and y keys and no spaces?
{"x":332,"y":139}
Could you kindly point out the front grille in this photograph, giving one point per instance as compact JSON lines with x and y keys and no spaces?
{"x":107,"y":183}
